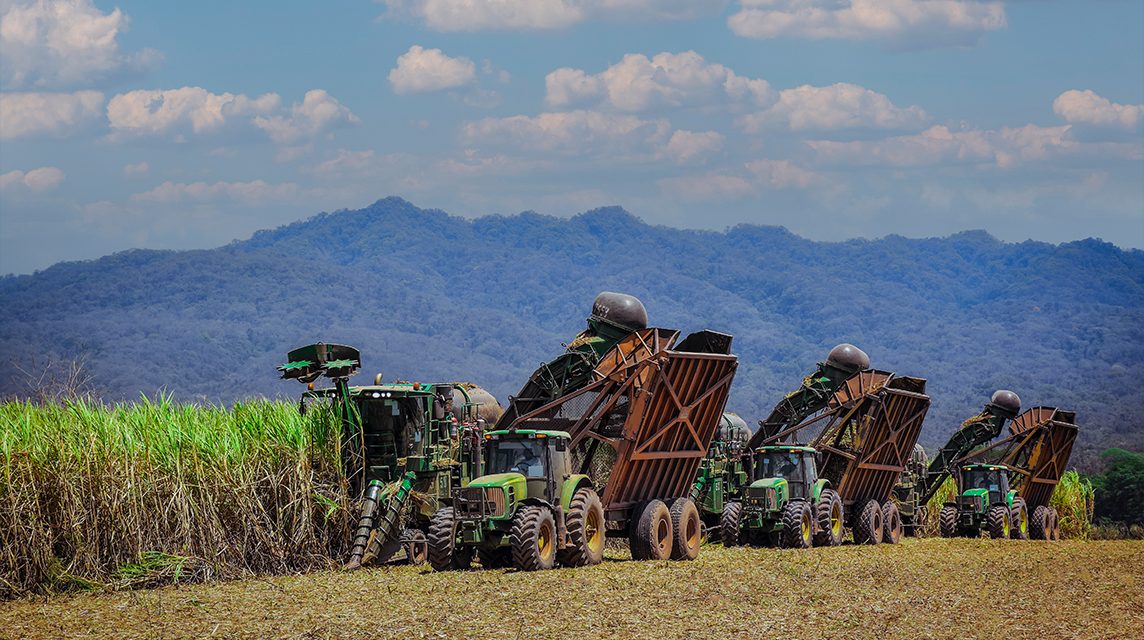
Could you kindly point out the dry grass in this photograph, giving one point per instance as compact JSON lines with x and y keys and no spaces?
{"x":928,"y":588}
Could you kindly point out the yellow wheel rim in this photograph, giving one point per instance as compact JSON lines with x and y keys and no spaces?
{"x":544,"y":541}
{"x":805,"y":527}
{"x":836,"y":520}
{"x":594,"y":532}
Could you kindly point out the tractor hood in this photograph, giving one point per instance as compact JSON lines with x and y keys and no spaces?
{"x":504,"y":480}
{"x":769,"y":483}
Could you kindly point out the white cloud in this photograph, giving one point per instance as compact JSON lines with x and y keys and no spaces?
{"x":346,"y":160}
{"x":915,"y":22}
{"x":318,"y":113}
{"x":137,"y":169}
{"x":42,"y":179}
{"x":781,"y":174}
{"x":475,"y":165}
{"x":838,"y":106}
{"x":53,"y":43}
{"x":572,"y":132}
{"x":162,"y":112}
{"x":686,"y":147}
{"x":477,"y":15}
{"x":255,"y":192}
{"x":419,"y":70}
{"x":1005,"y":147}
{"x":637,"y":83}
{"x":54,"y":114}
{"x":759,"y":176}
{"x":1086,"y":107}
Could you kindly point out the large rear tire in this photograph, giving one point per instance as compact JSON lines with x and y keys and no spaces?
{"x":416,"y":547}
{"x":868,"y":525}
{"x":998,"y":521}
{"x":891,"y":524}
{"x":585,"y":524}
{"x":686,"y":529}
{"x":830,"y":520}
{"x":444,"y":554}
{"x":533,"y":538}
{"x":651,"y":536}
{"x":797,"y":525}
{"x":729,"y":524}
{"x":947,"y":522}
{"x":1019,"y":520}
{"x":1056,"y":528}
{"x":1040,"y":527}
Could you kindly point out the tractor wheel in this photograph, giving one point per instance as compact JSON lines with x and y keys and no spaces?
{"x":1040,"y":527}
{"x":917,"y":525}
{"x":444,"y":555}
{"x":797,"y":523}
{"x":891,"y":524}
{"x":651,"y":534}
{"x":417,"y":547}
{"x":686,"y":530}
{"x":533,"y":538}
{"x":868,"y":528}
{"x":1019,"y":520}
{"x":585,"y":524}
{"x":729,"y":531}
{"x":948,"y":521}
{"x":1056,"y":528}
{"x":998,"y":521}
{"x":829,"y":515}
{"x":498,"y":558}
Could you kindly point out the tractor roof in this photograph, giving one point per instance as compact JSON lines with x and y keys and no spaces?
{"x":786,"y":447}
{"x":991,"y":467}
{"x":530,"y":433}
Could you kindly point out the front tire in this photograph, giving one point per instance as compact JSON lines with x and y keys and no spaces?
{"x":729,"y":524}
{"x":1019,"y":520}
{"x":796,"y":532}
{"x":650,"y":538}
{"x":948,"y":522}
{"x":998,"y":521}
{"x":585,"y":523}
{"x":444,"y":554}
{"x":830,"y":522}
{"x":891,"y":524}
{"x":533,"y":538}
{"x":686,"y":529}
{"x":868,"y":528}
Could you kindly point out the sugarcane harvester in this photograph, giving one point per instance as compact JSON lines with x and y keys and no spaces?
{"x":722,"y":472}
{"x":1005,"y":488}
{"x":780,"y":498}
{"x":864,"y":439}
{"x":922,"y":478}
{"x":404,"y":447}
{"x":602,"y":442}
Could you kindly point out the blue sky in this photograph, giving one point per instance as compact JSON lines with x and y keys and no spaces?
{"x":188,"y":125}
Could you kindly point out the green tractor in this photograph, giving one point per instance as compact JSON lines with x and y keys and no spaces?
{"x":528,"y":511}
{"x":722,"y":473}
{"x":787,"y":504}
{"x":985,"y":503}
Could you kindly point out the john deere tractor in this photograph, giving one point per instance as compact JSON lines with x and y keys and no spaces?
{"x":985,"y":503}
{"x":787,"y":504}
{"x":528,"y":511}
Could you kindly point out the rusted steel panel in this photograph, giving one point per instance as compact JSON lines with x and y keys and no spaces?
{"x":1037,"y":452}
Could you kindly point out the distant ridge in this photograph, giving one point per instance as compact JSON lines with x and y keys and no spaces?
{"x":427,"y":295}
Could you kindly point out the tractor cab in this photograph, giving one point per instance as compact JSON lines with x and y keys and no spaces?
{"x":984,"y":485}
{"x":541,"y":457}
{"x":793,"y":464}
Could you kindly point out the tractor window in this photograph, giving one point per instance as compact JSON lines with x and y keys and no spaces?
{"x":517,"y":456}
{"x":989,"y":479}
{"x":796,"y":467}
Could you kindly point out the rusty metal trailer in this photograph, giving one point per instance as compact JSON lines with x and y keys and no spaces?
{"x":864,"y":439}
{"x":640,"y":429}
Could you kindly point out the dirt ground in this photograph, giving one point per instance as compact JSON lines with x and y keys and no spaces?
{"x":929,"y":588}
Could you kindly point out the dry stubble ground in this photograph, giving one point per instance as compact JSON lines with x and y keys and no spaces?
{"x":929,"y":588}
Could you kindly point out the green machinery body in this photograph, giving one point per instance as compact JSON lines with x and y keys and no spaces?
{"x":722,"y":472}
{"x":405,"y":447}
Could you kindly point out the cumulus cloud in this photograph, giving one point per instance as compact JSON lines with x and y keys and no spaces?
{"x":1005,"y":147}
{"x":53,"y":114}
{"x":915,"y":22}
{"x":1086,"y":107}
{"x":255,"y":192}
{"x":419,"y":70}
{"x":471,"y":15}
{"x":686,"y":147}
{"x":571,"y":132}
{"x":838,"y":106}
{"x":54,"y":43}
{"x":42,"y":179}
{"x":638,"y":83}
{"x":346,"y":160}
{"x":189,"y":109}
{"x":318,"y":113}
{"x":757,"y":176}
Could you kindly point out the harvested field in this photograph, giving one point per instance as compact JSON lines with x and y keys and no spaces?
{"x":923,"y":588}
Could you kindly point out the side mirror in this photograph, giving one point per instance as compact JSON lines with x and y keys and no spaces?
{"x":561,"y":445}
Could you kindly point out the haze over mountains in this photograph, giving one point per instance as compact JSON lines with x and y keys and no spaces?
{"x":428,"y":296}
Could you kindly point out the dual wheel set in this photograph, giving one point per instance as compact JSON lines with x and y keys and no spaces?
{"x":804,"y":524}
{"x":1006,"y":522}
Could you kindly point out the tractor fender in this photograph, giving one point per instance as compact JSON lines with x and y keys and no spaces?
{"x":572,"y":484}
{"x":1010,"y":497}
{"x":820,"y":485}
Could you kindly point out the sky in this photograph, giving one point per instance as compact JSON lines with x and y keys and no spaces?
{"x":184,"y":125}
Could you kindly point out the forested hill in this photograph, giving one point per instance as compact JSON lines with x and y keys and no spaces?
{"x":429,"y":296}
